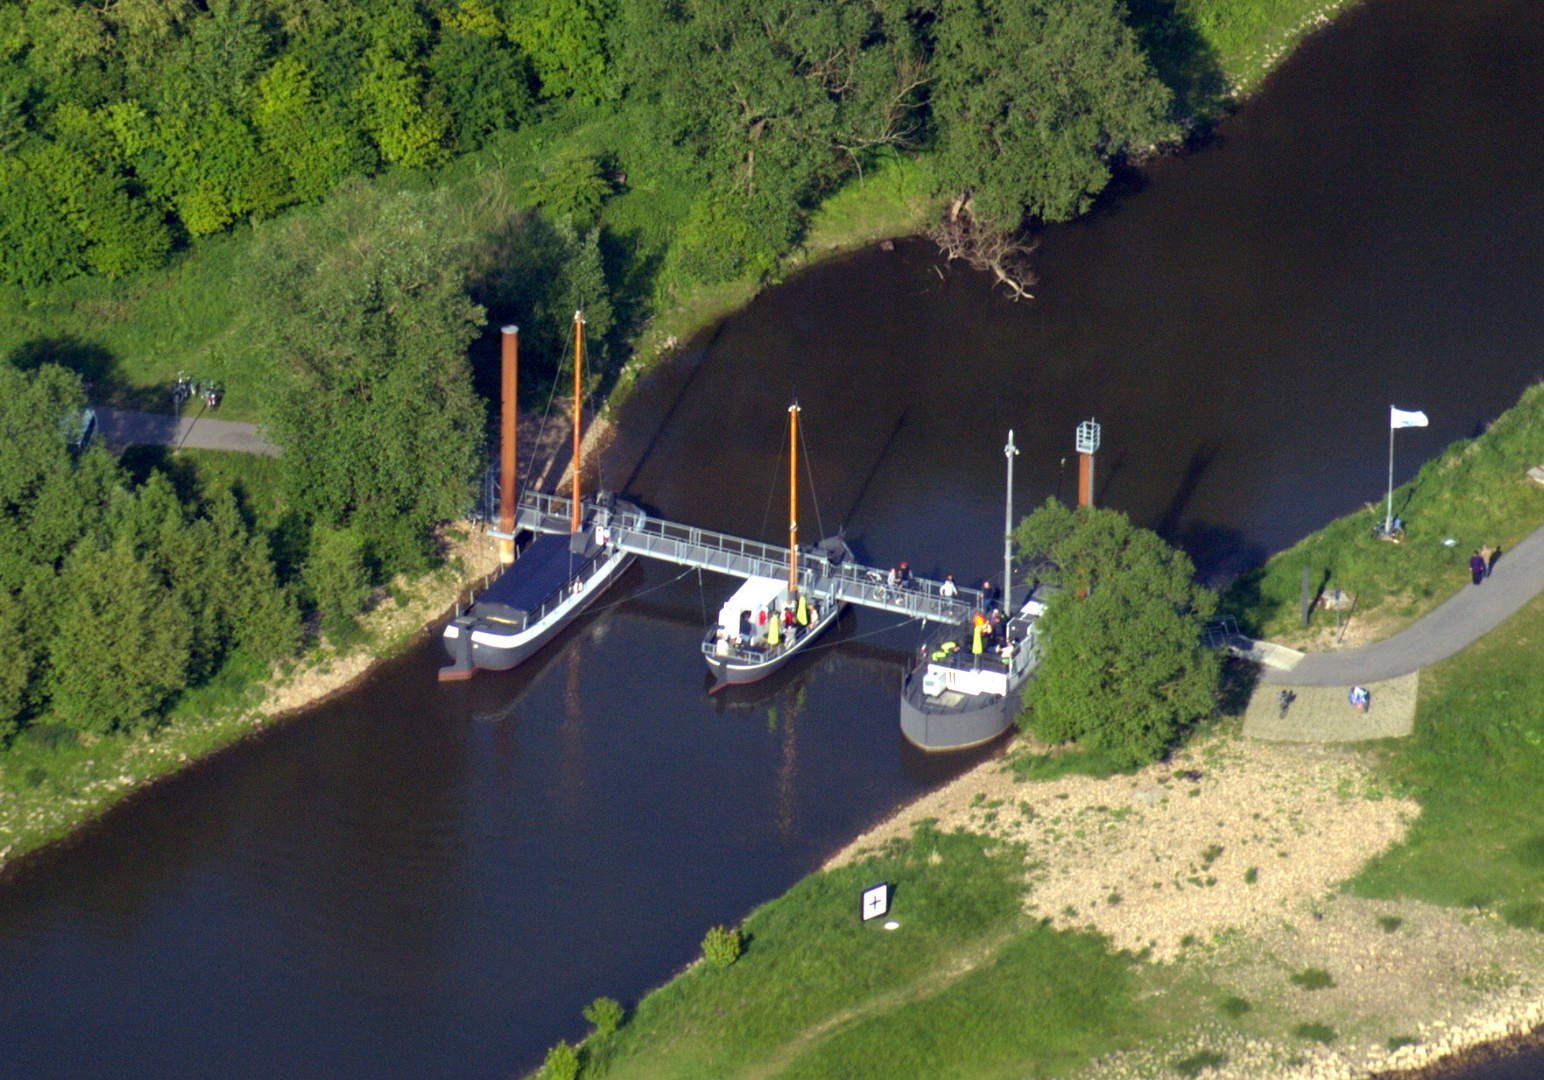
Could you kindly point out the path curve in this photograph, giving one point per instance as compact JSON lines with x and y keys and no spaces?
{"x":120,"y":428}
{"x":1517,"y":577}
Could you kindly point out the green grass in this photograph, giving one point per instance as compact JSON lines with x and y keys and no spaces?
{"x":1096,"y":763}
{"x":1249,"y":37}
{"x":965,"y":987}
{"x":1473,"y":493}
{"x":131,"y":337}
{"x":1476,"y":764}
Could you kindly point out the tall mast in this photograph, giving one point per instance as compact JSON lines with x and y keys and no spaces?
{"x":793,"y":497}
{"x":509,"y":361}
{"x":578,"y":337}
{"x":1010,"y":452}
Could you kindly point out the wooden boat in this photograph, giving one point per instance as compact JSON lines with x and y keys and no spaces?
{"x":555,"y":577}
{"x":956,"y":696}
{"x":767,"y":620}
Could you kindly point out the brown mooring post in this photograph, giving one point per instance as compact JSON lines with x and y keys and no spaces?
{"x":507,"y":459}
{"x":1087,"y":445}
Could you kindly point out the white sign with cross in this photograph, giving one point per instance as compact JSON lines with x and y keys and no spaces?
{"x":876,"y":901}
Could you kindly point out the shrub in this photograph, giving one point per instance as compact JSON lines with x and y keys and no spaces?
{"x":605,"y":1013}
{"x":562,"y":1063}
{"x":721,"y":946}
{"x":1195,"y":1064}
{"x":1234,"y":1006}
{"x":1317,"y":1032}
{"x":1313,"y":979}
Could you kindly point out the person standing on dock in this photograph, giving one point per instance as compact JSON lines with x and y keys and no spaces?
{"x":948,"y":590}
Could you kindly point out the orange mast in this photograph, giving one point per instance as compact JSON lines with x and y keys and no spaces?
{"x":793,"y":497}
{"x":578,"y":336}
{"x":509,"y":363}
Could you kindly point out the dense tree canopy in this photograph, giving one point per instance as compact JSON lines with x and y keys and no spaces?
{"x":128,"y":128}
{"x":1123,"y":672}
{"x":113,"y":599}
{"x":1030,"y":98}
{"x":364,"y":320}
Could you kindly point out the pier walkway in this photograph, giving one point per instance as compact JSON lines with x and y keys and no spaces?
{"x":704,"y":549}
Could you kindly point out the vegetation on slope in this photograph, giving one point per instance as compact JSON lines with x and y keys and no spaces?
{"x":1476,"y":763}
{"x":966,"y":986}
{"x":1474,"y":493}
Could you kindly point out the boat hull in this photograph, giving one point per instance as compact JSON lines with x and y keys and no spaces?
{"x":477,"y":643}
{"x":960,"y":728}
{"x":730,"y":671}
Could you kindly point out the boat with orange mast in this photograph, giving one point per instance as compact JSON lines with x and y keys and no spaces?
{"x":768,"y":620}
{"x":556,"y":576}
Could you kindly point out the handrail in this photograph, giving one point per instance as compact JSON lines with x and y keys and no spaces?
{"x":689,"y":545}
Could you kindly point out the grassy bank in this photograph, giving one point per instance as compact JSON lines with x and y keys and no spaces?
{"x":965,"y":987}
{"x":1475,"y":492}
{"x":132,"y":336}
{"x":1476,"y":763}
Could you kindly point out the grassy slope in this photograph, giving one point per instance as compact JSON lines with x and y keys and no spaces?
{"x":1476,"y":763}
{"x":965,"y":988}
{"x":131,"y":337}
{"x":1473,"y":493}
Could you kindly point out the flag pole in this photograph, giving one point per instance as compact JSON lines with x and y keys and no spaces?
{"x":1388,"y":516}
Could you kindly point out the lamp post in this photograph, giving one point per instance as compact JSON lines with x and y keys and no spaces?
{"x":1010,"y":452}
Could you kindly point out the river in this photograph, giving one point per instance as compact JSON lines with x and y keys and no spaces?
{"x":420,"y":880}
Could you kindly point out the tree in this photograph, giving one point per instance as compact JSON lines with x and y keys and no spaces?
{"x":121,"y":646}
{"x":306,"y":134}
{"x":1032,"y":98}
{"x":566,"y":41}
{"x":336,"y":578}
{"x":364,"y":378}
{"x":768,"y":104}
{"x":1123,"y":670}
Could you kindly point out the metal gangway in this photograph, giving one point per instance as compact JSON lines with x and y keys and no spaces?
{"x":687,"y":545}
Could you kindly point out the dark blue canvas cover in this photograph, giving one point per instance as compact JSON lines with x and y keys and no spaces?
{"x":542,"y":568}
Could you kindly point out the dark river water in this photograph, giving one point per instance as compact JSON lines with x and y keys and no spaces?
{"x":430,"y":881}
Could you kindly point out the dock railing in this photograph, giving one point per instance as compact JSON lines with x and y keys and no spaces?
{"x":688,"y":545}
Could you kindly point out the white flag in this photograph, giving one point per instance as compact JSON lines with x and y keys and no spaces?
{"x":1398,"y":418}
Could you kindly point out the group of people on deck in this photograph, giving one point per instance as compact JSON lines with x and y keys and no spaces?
{"x":776,"y":624}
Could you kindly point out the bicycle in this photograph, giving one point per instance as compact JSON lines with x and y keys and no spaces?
{"x":182,"y":389}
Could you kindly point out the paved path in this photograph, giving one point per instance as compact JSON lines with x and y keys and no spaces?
{"x":1322,"y":713}
{"x":119,"y":428}
{"x":1518,"y":576}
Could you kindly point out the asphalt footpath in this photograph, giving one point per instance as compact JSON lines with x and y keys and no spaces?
{"x":1516,"y":578}
{"x":119,"y":429}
